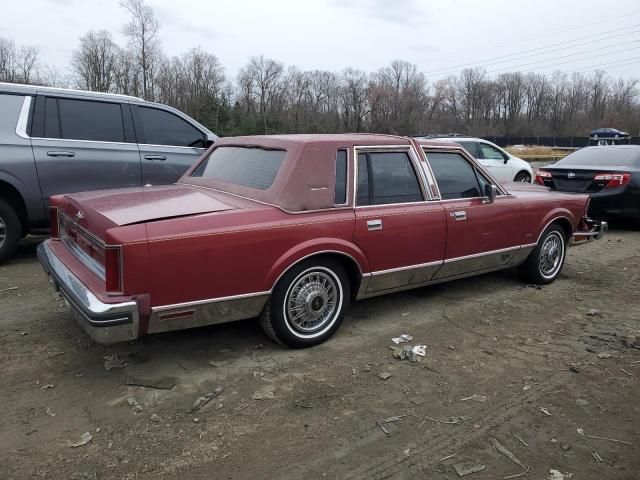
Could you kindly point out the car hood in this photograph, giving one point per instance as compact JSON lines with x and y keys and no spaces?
{"x":144,"y":204}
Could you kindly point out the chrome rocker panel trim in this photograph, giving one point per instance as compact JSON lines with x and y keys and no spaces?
{"x":105,"y":323}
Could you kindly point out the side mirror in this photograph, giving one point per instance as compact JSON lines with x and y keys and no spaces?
{"x":506,"y":159}
{"x":210,"y":140}
{"x":490,"y":191}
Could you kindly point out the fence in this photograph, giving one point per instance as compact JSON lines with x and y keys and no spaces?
{"x":563,"y":142}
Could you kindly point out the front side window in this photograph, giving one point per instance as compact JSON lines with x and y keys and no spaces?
{"x":87,"y":120}
{"x":489,"y":152}
{"x":164,"y":128}
{"x":456,"y":178}
{"x":387,"y":178}
{"x":246,"y":166}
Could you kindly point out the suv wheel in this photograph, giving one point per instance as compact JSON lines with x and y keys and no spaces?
{"x":545,"y":263}
{"x":307,"y":304}
{"x":10,"y":231}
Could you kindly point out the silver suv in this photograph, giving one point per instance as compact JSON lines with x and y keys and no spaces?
{"x":60,"y":141}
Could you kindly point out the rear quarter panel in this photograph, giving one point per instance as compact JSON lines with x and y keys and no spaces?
{"x":233,"y":253}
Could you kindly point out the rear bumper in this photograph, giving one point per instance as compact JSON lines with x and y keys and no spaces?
{"x":104,"y":322}
{"x":594,"y":229}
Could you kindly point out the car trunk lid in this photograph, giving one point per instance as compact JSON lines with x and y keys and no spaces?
{"x":577,"y":178}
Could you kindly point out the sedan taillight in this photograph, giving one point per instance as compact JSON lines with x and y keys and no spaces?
{"x":612,"y":180}
{"x":53,"y":220}
{"x":113,"y":269}
{"x":541,"y":175}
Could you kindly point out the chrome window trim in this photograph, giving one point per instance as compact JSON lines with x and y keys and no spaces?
{"x":83,"y":141}
{"x":23,"y":118}
{"x":347,"y":187}
{"x":202,"y":149}
{"x":414,"y":158}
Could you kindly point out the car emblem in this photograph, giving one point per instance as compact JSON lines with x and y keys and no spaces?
{"x":571,"y":175}
{"x":80,"y":215}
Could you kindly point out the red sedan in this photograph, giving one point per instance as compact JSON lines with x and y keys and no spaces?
{"x":292,"y":229}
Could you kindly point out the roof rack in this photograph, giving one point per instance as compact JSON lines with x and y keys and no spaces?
{"x":68,"y":90}
{"x":440,"y":135}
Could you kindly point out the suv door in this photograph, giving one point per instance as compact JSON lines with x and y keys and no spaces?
{"x":83,"y":144}
{"x":495,"y":161}
{"x":168,"y":144}
{"x":481,"y":235}
{"x":401,"y":233}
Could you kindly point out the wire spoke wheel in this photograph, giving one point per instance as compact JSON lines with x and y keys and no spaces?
{"x":312,"y":301}
{"x":3,"y":232}
{"x":551,"y":255}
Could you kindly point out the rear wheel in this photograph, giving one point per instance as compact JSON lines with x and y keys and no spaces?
{"x":523,"y":177}
{"x":307,"y":304}
{"x":10,"y":231}
{"x":545,"y":262}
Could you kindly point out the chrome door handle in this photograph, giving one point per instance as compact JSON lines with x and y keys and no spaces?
{"x":60,"y":154}
{"x":460,"y":215}
{"x":374,"y":224}
{"x":156,"y":157}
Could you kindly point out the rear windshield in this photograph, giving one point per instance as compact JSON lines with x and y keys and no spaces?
{"x":248,"y":166}
{"x":603,"y":156}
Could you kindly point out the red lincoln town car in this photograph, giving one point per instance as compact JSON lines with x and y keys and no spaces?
{"x":292,"y":228}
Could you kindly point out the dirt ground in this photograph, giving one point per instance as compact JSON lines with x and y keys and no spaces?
{"x":524,"y":366}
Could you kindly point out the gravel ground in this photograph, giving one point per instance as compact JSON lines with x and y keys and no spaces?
{"x":508,"y":367}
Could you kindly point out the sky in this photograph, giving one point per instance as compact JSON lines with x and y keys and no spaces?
{"x":440,"y":37}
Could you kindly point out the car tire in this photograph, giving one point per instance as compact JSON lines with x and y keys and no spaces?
{"x":523,"y":177}
{"x":318,"y":293}
{"x":10,"y":231}
{"x":545,"y":263}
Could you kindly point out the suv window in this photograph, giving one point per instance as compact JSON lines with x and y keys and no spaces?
{"x":472,"y":148}
{"x":251,"y":167}
{"x":489,"y":152}
{"x":164,"y":128}
{"x":455,"y":176}
{"x":340,"y":197}
{"x":88,"y":120}
{"x":387,"y":177}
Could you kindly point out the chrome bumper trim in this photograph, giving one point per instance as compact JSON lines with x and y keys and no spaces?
{"x":599,"y":230}
{"x":104,"y":322}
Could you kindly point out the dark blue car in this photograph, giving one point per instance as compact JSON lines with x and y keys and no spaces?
{"x":607,"y":134}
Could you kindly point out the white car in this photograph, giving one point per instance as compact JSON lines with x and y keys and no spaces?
{"x":500,"y":163}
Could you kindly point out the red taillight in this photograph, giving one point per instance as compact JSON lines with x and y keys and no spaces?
{"x":541,"y":175}
{"x":112,"y":269}
{"x":611,"y":180}
{"x":53,"y":220}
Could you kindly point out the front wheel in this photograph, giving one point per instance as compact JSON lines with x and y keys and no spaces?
{"x":307,"y":304}
{"x":523,"y":177}
{"x":545,"y":262}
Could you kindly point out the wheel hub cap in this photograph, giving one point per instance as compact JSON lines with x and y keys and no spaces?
{"x":551,"y":255}
{"x":3,"y":232}
{"x":311,"y":302}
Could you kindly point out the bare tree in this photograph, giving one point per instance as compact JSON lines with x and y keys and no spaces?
{"x":142,"y":31}
{"x":18,"y":65}
{"x":95,"y":61}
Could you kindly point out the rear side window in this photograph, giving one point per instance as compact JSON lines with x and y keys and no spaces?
{"x":341,"y":178}
{"x":250,"y":167}
{"x":385,"y":178}
{"x":88,"y":120}
{"x":164,"y":128}
{"x":455,"y":176}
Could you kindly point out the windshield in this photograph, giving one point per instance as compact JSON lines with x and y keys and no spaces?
{"x":602,"y":156}
{"x":248,"y":166}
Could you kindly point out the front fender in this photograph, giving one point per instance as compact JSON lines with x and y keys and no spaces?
{"x":316,"y":246}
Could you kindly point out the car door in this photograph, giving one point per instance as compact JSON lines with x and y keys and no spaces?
{"x":495,"y":161}
{"x":168,"y":144}
{"x":83,"y":144}
{"x":399,"y":230}
{"x":481,"y":234}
